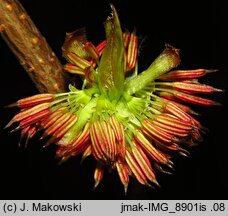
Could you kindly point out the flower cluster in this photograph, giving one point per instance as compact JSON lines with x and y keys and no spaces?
{"x":128,"y":121}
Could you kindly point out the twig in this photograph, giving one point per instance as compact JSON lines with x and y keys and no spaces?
{"x":31,"y":48}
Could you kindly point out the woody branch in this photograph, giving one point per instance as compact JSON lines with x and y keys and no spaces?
{"x":30,"y":47}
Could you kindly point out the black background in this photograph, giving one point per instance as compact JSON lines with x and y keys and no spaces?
{"x":197,"y":28}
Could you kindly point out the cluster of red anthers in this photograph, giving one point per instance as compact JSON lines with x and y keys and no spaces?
{"x":131,"y":122}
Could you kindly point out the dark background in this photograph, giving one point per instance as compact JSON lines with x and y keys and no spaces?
{"x":197,"y":28}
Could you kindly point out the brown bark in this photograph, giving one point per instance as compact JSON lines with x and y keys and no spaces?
{"x":31,"y":48}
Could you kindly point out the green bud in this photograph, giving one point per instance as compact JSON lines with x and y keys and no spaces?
{"x":167,"y":60}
